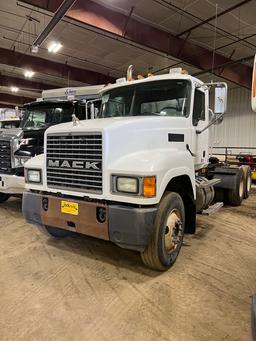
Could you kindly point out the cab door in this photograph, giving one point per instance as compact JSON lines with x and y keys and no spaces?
{"x":200,"y":120}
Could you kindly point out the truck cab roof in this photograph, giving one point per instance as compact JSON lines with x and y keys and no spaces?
{"x":169,"y":76}
{"x":82,"y":92}
{"x":48,"y":101}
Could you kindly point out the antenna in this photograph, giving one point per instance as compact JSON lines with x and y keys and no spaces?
{"x":214,"y":37}
{"x":214,"y":132}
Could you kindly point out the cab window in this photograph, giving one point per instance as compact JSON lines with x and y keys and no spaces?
{"x":199,"y":107}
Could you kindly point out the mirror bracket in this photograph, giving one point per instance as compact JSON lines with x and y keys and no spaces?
{"x":220,"y":117}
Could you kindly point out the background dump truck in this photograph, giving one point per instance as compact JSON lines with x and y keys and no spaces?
{"x":9,"y":123}
{"x":139,"y":173}
{"x":19,"y":145}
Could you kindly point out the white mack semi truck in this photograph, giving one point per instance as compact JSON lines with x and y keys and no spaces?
{"x":139,"y":173}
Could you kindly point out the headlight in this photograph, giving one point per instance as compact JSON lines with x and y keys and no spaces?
{"x":141,"y":186}
{"x":127,"y":185}
{"x":33,"y":175}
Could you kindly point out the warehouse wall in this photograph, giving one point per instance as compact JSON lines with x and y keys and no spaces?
{"x":238,"y":128}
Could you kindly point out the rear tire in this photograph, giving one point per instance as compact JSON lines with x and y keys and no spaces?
{"x":235,"y":195}
{"x":247,"y":181}
{"x":166,"y":240}
{"x":4,"y":197}
{"x":219,"y":195}
{"x":56,"y":232}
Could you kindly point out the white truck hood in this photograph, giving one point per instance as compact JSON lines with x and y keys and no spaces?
{"x":98,"y":124}
{"x":124,"y":136}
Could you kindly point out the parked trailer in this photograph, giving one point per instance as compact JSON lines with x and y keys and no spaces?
{"x":254,"y":109}
{"x":237,"y":156}
{"x":138,"y":174}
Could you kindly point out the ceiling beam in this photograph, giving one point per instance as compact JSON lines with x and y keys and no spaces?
{"x":120,"y":25}
{"x":220,"y":14}
{"x":8,"y":105}
{"x":45,"y":66}
{"x":25,"y":84}
{"x":58,"y":15}
{"x":186,"y":14}
{"x":15,"y":99}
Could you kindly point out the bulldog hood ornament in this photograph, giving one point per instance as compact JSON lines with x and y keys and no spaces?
{"x":75,"y":120}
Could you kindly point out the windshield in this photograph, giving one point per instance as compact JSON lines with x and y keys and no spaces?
{"x":162,"y":98}
{"x":10,"y":124}
{"x":43,"y":115}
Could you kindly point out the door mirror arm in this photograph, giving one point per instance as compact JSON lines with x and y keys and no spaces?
{"x":215,"y":120}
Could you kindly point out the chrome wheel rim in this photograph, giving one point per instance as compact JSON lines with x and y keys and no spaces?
{"x":241,"y":188}
{"x":249,"y":183}
{"x":173,"y":231}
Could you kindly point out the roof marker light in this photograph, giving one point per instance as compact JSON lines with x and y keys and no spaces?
{"x":176,"y":70}
{"x":139,"y":77}
{"x":120,"y":80}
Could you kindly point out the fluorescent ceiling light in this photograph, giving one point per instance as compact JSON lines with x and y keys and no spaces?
{"x":29,"y":73}
{"x":34,"y":49}
{"x":54,"y":47}
{"x":14,"y":89}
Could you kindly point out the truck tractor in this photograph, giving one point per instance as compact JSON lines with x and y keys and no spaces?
{"x":20,"y":144}
{"x":138,"y":174}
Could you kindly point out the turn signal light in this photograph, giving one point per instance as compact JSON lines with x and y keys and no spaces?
{"x":149,"y":186}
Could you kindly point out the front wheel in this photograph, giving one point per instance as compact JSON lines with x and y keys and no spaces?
{"x":4,"y":197}
{"x":166,"y":240}
{"x":54,"y":231}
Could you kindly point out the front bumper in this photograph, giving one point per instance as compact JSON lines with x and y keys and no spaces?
{"x":12,"y":184}
{"x":128,"y":227}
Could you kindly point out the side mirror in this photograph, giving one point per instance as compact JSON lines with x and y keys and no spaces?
{"x":220,"y":104}
{"x":220,"y":101}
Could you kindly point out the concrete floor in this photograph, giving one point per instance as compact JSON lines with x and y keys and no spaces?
{"x":85,"y":289}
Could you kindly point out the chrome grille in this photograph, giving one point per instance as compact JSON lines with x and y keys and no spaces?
{"x":75,"y":162}
{"x":5,"y":157}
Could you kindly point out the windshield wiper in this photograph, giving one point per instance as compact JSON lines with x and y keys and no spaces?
{"x":151,"y":114}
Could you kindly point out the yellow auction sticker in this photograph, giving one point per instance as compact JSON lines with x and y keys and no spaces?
{"x":69,"y":207}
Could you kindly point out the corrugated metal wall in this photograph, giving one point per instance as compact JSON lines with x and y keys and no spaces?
{"x":238,"y":128}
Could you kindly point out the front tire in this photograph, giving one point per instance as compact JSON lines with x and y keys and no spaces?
{"x":54,"y":232}
{"x":4,"y":197}
{"x":166,"y":240}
